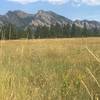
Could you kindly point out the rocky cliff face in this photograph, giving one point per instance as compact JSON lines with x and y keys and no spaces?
{"x":89,"y":24}
{"x":49,"y":18}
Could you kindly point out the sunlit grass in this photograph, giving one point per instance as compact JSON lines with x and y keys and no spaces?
{"x":49,"y":69}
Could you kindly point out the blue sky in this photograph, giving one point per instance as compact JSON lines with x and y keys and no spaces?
{"x":73,"y":9}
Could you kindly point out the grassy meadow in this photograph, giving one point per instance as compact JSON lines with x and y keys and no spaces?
{"x":50,"y":69}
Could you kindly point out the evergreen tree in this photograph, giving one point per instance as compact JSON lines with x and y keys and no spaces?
{"x":37,"y":32}
{"x":29,"y":33}
{"x":73,"y":30}
{"x":67,"y":30}
{"x":96,"y":32}
{"x":85,"y":31}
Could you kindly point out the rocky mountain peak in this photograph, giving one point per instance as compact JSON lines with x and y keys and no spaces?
{"x":18,"y":13}
{"x":41,"y":11}
{"x":48,"y":18}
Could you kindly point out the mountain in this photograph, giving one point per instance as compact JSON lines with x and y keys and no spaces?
{"x":44,"y":18}
{"x":89,"y":24}
{"x":18,"y":18}
{"x":49,"y":18}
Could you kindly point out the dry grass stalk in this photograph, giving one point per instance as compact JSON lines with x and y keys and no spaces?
{"x":87,"y":89}
{"x":97,"y":59}
{"x":93,"y":77}
{"x":1,"y":50}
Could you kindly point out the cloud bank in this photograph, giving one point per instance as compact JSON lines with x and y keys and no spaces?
{"x":60,"y":2}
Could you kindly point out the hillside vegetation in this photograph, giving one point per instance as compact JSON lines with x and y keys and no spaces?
{"x":52,"y":69}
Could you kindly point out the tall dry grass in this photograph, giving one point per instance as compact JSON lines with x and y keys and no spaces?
{"x":52,"y":69}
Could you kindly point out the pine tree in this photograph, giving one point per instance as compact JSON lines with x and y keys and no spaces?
{"x":73,"y":30}
{"x":29,"y":33}
{"x":85,"y":31}
{"x":67,"y":30}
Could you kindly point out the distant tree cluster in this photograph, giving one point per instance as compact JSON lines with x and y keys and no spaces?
{"x":10,"y":31}
{"x":7,"y":31}
{"x":65,"y":31}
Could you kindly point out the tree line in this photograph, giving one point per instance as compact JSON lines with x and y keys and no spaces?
{"x":10,"y":31}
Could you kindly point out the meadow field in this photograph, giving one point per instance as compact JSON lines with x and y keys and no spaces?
{"x":50,"y":69}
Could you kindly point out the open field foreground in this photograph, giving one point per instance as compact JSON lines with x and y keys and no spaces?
{"x":52,"y":69}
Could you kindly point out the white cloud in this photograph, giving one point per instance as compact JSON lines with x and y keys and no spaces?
{"x":33,"y":1}
{"x":79,"y":2}
{"x":24,"y":1}
{"x":57,"y":1}
{"x":87,"y":2}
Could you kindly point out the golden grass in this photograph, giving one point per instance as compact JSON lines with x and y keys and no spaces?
{"x":49,"y":69}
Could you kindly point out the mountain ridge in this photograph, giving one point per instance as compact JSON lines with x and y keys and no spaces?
{"x":43,"y":18}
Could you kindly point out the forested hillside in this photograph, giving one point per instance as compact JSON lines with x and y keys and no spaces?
{"x":10,"y":31}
